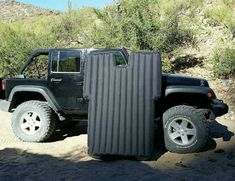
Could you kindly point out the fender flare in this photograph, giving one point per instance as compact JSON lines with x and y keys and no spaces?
{"x":189,"y":89}
{"x":45,"y":92}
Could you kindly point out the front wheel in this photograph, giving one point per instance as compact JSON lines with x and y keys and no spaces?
{"x":33,"y":121}
{"x":185,"y":129}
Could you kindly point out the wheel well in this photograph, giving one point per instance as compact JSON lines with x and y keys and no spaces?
{"x":200,"y":101}
{"x":20,"y":97}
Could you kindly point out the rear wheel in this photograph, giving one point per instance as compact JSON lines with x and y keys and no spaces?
{"x":185,"y":129}
{"x":33,"y":121}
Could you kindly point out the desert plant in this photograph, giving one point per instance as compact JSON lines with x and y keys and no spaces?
{"x":16,"y":45}
{"x":222,"y":13}
{"x":224,"y":62}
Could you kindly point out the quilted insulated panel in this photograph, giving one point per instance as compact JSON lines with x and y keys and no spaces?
{"x":121,"y":103}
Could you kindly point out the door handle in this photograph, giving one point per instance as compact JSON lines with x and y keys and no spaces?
{"x":56,"y":80}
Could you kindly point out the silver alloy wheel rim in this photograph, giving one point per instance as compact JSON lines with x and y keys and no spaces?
{"x":182,"y":131}
{"x":30,"y":122}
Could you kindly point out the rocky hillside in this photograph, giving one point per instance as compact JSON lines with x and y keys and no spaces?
{"x":11,"y":10}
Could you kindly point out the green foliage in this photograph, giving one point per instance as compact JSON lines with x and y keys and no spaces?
{"x":74,"y":29}
{"x":37,"y":68}
{"x":224,"y":62}
{"x":141,"y":25}
{"x":165,"y":26}
{"x":222,"y":13}
{"x":167,"y":66}
{"x":16,"y":44}
{"x":65,"y":29}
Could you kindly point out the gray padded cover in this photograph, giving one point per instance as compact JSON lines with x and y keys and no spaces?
{"x":121,"y":103}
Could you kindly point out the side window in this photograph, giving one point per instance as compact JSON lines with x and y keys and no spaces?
{"x":37,"y":68}
{"x":119,"y":59}
{"x":66,"y":61}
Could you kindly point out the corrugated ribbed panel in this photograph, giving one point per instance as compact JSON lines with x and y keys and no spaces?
{"x":121,"y":103}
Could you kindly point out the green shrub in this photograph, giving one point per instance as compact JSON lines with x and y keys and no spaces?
{"x":167,"y":66}
{"x":224,"y":62}
{"x":165,"y":26}
{"x":16,"y":44}
{"x":222,"y":13}
{"x":141,"y":25}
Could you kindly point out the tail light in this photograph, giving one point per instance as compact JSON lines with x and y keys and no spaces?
{"x":3,"y":84}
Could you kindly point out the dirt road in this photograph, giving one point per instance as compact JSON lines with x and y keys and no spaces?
{"x":64,"y":157}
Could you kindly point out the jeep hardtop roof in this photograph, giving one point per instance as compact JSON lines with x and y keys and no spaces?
{"x":84,"y":50}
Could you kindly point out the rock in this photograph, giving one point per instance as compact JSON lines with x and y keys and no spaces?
{"x":233,"y":117}
{"x":12,"y":10}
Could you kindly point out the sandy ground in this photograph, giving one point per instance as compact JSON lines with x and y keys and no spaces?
{"x":64,"y":157}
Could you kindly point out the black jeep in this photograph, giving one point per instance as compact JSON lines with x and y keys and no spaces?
{"x":50,"y":88}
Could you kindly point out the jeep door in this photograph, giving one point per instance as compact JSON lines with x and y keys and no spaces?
{"x":66,"y":79}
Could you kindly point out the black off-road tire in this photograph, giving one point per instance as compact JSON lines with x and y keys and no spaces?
{"x":45,"y":115}
{"x":196,"y":121}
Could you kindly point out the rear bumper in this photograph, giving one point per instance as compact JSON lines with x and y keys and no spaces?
{"x":218,"y":107}
{"x":4,"y":105}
